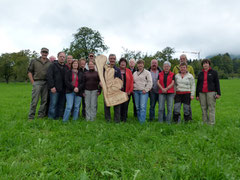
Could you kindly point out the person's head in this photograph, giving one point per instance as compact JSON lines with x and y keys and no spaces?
{"x":132,"y":63}
{"x":44,"y":52}
{"x":74,"y":64}
{"x":82,"y":63}
{"x":61,"y":57}
{"x":52,"y":58}
{"x":154,"y":64}
{"x":69,"y":59}
{"x":122,"y":63}
{"x":91,"y":56}
{"x":166,"y":66}
{"x":140,"y":64}
{"x":112,"y":59}
{"x":91,"y":65}
{"x":183,"y":67}
{"x":183,"y":58}
{"x":206,"y":64}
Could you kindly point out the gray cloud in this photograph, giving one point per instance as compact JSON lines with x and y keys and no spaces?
{"x":209,"y":26}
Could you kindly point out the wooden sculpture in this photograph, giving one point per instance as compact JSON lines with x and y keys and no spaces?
{"x":111,"y":86}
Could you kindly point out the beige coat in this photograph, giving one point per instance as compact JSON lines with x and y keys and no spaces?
{"x":142,"y":81}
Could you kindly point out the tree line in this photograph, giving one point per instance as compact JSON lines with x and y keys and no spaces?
{"x":13,"y":66}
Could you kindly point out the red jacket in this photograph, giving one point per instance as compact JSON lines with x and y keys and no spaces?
{"x":129,"y":80}
{"x":169,"y":81}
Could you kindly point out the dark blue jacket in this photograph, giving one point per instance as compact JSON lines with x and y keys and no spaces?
{"x":117,"y":72}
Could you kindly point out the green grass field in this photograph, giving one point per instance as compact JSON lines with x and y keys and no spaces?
{"x":49,"y":149}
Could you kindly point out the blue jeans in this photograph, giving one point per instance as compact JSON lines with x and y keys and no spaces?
{"x":162,"y":99}
{"x":56,"y":106}
{"x":141,"y":105}
{"x":72,"y":98}
{"x":153,"y":100}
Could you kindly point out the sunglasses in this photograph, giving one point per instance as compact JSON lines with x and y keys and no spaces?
{"x":91,"y":56}
{"x":45,"y":52}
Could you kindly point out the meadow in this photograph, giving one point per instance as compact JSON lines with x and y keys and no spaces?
{"x":50,"y":149}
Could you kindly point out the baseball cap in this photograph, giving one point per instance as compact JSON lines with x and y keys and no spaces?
{"x":44,"y":49}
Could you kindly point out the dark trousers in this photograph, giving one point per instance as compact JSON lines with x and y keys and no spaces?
{"x":47,"y":105}
{"x":180,"y":99}
{"x":124,"y":111}
{"x":153,"y":100}
{"x":134,"y":106}
{"x":83,"y":107}
{"x":107,"y":113}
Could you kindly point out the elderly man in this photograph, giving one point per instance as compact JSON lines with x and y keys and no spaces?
{"x":183,"y":58}
{"x":37,"y":72}
{"x":153,"y":94}
{"x":112,"y":61}
{"x":56,"y":85}
{"x":132,"y":63}
{"x":69,"y":62}
{"x":52,"y":59}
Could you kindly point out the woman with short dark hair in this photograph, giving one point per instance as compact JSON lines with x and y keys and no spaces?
{"x":208,"y":90}
{"x":127,"y":79}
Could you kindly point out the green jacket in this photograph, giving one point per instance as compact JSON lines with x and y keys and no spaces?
{"x":39,"y":69}
{"x":190,"y":69}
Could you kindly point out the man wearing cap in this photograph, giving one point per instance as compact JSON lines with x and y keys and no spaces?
{"x":37,"y":73}
{"x":91,"y":57}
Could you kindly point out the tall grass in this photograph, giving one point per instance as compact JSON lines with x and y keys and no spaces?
{"x":49,"y":149}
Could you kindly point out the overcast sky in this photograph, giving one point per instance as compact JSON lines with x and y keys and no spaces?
{"x":208,"y":26}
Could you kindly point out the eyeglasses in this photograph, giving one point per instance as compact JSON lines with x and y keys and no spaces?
{"x":45,"y":52}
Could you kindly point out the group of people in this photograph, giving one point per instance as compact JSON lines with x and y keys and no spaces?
{"x":63,"y":87}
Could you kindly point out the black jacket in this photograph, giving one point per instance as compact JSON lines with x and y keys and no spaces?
{"x":55,"y":76}
{"x":212,"y":81}
{"x":83,"y":70}
{"x":70,"y":87}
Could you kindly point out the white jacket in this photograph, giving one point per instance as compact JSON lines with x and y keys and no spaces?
{"x":142,"y":81}
{"x":187,"y":83}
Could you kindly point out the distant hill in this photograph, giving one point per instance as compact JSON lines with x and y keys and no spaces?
{"x":233,"y":56}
